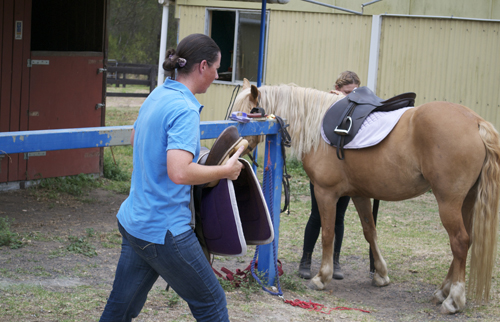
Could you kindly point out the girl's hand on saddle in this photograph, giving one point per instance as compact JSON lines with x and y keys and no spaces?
{"x":233,"y":165}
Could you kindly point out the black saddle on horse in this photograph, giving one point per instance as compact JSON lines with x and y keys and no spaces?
{"x":342,"y":121}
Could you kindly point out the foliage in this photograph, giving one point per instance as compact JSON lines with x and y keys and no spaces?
{"x":113,"y":171}
{"x":173,"y":299}
{"x":73,"y":185}
{"x":90,"y":232}
{"x":299,"y":181}
{"x":135,"y":29}
{"x":80,"y":245}
{"x":8,"y":238}
{"x":111,"y":239}
{"x":291,"y":283}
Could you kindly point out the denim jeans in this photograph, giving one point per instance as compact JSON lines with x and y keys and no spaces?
{"x":180,"y":262}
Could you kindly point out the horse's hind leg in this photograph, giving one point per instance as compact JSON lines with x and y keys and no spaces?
{"x":363,"y":206}
{"x":452,"y":291}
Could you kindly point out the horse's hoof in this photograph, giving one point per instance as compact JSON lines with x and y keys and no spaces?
{"x":315,"y":284}
{"x":455,"y":302}
{"x":380,"y":281}
{"x":448,"y":307}
{"x":438,"y":297}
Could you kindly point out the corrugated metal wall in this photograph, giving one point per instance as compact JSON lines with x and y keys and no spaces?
{"x":311,"y":49}
{"x":297,"y":53}
{"x":439,"y":59}
{"x":192,"y":20}
{"x":442,"y":59}
{"x":216,"y":99}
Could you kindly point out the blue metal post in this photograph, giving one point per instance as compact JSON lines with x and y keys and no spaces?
{"x":267,"y":257}
{"x":261,"y":45}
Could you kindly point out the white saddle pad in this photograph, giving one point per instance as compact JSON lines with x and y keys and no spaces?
{"x":374,"y":129}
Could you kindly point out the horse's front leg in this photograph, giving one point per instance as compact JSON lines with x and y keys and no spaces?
{"x":327,"y":205}
{"x":363,"y":206}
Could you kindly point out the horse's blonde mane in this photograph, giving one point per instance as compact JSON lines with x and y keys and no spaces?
{"x":303,"y":108}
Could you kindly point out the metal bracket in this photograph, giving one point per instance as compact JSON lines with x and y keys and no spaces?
{"x":99,"y":105}
{"x":37,"y":62}
{"x":344,"y":9}
{"x":34,"y":154}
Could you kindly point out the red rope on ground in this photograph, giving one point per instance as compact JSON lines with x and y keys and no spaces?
{"x":311,"y":306}
{"x":241,"y":275}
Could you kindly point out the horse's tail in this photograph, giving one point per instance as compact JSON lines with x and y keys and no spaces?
{"x":485,"y":224}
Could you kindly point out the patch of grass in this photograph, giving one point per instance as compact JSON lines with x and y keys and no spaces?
{"x":40,"y":271}
{"x":6,"y":273}
{"x":40,"y":304}
{"x":111,"y":240}
{"x":247,"y":285}
{"x":8,"y":238}
{"x":80,"y":245}
{"x":113,"y":171}
{"x":299,"y":181}
{"x":291,"y":282}
{"x":57,"y":253}
{"x":73,"y":185}
{"x":117,"y":176}
{"x":173,"y":299}
{"x":90,"y":232}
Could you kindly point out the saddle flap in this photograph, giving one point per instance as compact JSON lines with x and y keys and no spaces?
{"x":364,"y":95}
{"x":254,"y":214}
{"x":220,"y":219}
{"x":234,"y":214}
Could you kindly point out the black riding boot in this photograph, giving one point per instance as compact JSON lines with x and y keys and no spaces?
{"x":337,"y":270}
{"x":305,"y":266}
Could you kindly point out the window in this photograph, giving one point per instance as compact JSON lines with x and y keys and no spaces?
{"x":237,"y":32}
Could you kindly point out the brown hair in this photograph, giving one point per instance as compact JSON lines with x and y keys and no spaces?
{"x":190,"y":51}
{"x":347,"y":78}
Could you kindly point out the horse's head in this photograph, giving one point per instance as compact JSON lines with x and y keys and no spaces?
{"x":245,"y":102}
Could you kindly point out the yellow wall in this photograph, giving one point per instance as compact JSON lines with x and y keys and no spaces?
{"x":311,"y":49}
{"x":483,"y":9}
{"x":444,"y":60}
{"x":439,"y":59}
{"x":192,"y":20}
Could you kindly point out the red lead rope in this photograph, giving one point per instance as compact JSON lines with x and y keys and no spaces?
{"x":311,"y":306}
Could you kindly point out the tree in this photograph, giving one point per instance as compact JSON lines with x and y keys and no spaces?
{"x":134,"y":29}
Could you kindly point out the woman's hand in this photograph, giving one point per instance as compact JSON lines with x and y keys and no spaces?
{"x":233,"y":165}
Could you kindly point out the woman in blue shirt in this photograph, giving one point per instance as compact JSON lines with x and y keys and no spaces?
{"x":156,"y":221}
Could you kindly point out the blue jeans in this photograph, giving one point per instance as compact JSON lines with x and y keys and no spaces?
{"x":180,"y":262}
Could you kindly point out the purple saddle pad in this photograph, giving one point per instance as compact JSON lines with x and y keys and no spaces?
{"x":234,"y":214}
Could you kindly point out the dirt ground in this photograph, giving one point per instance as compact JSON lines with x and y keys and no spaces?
{"x":396,"y":302}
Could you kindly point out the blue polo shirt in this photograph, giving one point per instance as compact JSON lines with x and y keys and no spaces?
{"x":168,"y":119}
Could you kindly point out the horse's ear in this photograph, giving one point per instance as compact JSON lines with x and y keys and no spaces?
{"x":254,"y":94}
{"x":246,"y":84}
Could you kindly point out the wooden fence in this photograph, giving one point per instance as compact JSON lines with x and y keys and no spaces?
{"x":126,"y":74}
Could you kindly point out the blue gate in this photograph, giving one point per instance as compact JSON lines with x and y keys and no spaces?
{"x":62,"y":139}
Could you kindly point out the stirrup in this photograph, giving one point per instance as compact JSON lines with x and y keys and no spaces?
{"x":342,"y":131}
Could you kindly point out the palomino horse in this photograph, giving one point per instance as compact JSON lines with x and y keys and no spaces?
{"x":440,"y":146}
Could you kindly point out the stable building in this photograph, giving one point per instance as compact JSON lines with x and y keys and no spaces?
{"x":52,"y":58}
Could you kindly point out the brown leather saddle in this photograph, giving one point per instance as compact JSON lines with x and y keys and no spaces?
{"x":343,"y":119}
{"x":230,"y":214}
{"x":228,"y":142}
